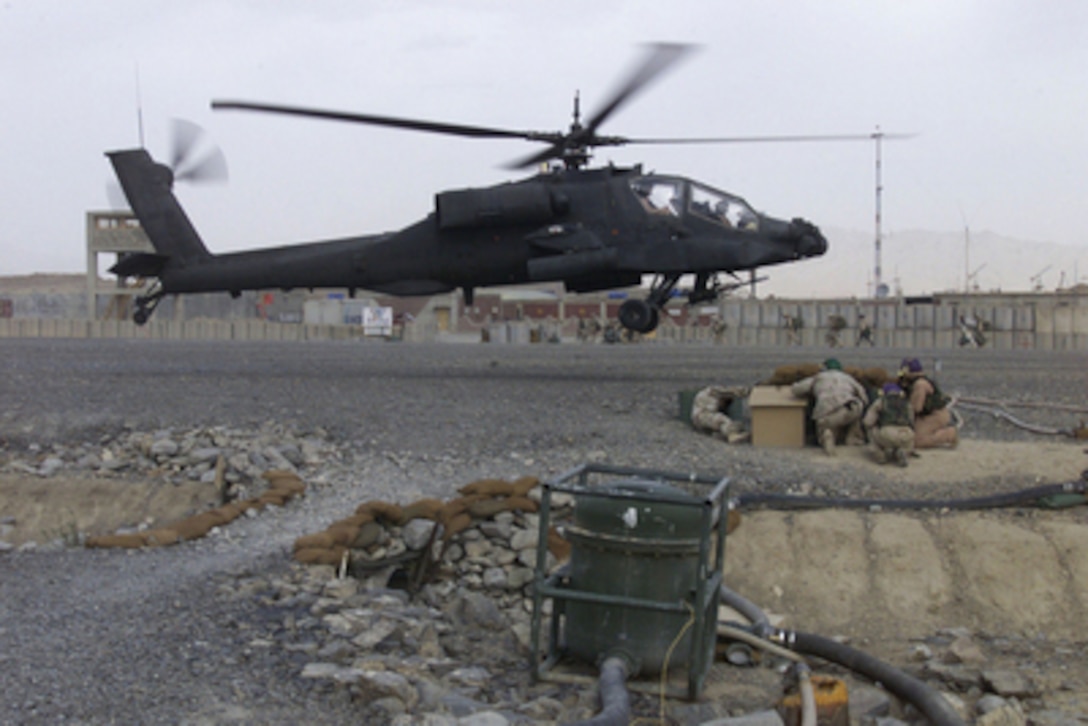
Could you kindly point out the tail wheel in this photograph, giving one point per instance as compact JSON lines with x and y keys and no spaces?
{"x":639,"y":315}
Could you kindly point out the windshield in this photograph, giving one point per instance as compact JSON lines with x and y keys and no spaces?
{"x":723,"y":208}
{"x":665,"y":196}
{"x":659,"y":196}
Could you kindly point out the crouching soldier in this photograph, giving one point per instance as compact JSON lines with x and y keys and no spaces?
{"x":890,"y":425}
{"x":710,"y":411}
{"x":933,"y":423}
{"x":839,"y":402}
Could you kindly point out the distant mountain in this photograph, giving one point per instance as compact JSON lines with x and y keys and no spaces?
{"x":921,"y":262}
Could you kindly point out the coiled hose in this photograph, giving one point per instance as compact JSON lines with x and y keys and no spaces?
{"x":930,"y":703}
{"x":910,"y":689}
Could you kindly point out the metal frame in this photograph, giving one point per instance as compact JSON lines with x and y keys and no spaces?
{"x":702,"y":603}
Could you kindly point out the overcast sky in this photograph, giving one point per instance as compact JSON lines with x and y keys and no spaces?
{"x":996,"y":90}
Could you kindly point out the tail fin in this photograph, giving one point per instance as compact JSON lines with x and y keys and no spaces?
{"x":148,"y":187}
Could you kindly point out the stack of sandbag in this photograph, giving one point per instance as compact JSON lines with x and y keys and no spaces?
{"x":479,"y":500}
{"x":283,"y":485}
{"x":787,"y":375}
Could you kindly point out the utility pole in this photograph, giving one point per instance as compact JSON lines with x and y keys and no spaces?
{"x":878,"y":286}
{"x":966,"y":258}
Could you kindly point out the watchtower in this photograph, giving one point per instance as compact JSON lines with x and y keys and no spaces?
{"x":119,"y":233}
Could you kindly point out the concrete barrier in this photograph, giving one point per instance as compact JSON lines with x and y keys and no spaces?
{"x":1057,"y":321}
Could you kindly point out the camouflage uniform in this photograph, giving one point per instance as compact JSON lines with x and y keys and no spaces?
{"x":890,"y":427}
{"x":708,"y":410}
{"x":839,"y":404}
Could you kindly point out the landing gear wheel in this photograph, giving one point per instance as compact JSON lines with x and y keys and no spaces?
{"x":638,"y":315}
{"x":146,"y":304}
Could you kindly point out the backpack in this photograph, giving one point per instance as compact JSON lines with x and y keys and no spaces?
{"x":936,"y":400}
{"x":895,"y":412}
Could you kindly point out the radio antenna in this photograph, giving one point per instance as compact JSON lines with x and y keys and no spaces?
{"x":139,"y":108}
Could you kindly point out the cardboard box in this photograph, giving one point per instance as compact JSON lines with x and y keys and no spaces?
{"x":778,"y":417}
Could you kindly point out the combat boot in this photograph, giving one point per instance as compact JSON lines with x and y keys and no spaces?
{"x":827,"y":441}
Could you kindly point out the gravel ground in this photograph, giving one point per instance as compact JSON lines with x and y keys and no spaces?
{"x":102,"y":637}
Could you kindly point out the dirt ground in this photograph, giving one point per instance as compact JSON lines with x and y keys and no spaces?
{"x":35,"y":509}
{"x":45,"y":509}
{"x":887,"y":582}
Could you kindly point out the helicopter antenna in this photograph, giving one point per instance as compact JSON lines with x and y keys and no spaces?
{"x":139,"y":108}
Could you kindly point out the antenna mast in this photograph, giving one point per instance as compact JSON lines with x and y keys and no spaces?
{"x":878,"y":288}
{"x":139,"y":108}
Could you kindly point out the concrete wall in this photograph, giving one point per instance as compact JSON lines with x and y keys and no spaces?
{"x":1056,"y":321}
{"x":171,"y":330}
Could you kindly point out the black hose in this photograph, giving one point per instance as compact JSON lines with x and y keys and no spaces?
{"x":992,"y":501}
{"x":755,"y":615}
{"x":930,"y":703}
{"x":615,"y":701}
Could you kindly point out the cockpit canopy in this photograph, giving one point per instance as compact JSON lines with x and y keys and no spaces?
{"x":677,"y":197}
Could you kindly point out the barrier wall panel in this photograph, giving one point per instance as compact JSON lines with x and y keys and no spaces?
{"x":1080,"y":320}
{"x":1004,"y":319}
{"x":1001,"y":340}
{"x":731,"y":316}
{"x":885,"y":317}
{"x":945,"y":317}
{"x":1023,"y":318}
{"x":1044,"y":320}
{"x":1044,"y":341}
{"x":770,"y":314}
{"x":925,"y":317}
{"x":945,"y":339}
{"x":1023,"y":340}
{"x":924,"y":339}
{"x":1063,"y":320}
{"x":904,"y":316}
{"x":825,"y":312}
{"x":904,"y":339}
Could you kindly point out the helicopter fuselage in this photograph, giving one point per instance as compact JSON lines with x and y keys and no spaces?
{"x":590,"y":229}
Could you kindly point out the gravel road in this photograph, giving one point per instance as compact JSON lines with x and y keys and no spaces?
{"x":103,"y":637}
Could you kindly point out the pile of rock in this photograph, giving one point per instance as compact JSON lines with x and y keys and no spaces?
{"x":234,"y":458}
{"x":425,"y":609}
{"x":485,"y":540}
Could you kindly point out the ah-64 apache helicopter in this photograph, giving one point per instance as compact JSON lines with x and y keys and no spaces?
{"x":592,"y":229}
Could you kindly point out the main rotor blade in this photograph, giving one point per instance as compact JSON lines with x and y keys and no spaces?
{"x":556,"y":150}
{"x":660,"y":57}
{"x":619,"y":141}
{"x":391,"y":121}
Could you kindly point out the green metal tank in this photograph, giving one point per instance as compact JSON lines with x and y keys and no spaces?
{"x":636,"y":543}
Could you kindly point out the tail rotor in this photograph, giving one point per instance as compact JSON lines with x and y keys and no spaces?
{"x":194,"y":157}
